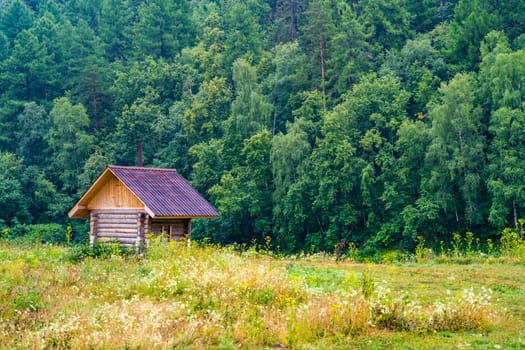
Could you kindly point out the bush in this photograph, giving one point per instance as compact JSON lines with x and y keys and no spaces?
{"x":393,"y":257}
{"x":105,"y":250}
{"x":13,"y":232}
{"x":39,"y":233}
{"x":46,"y":233}
{"x":513,"y":244}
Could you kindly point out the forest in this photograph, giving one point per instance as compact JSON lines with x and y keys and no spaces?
{"x":305,"y":122}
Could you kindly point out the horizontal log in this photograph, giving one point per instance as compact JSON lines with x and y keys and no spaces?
{"x":125,"y":231}
{"x":121,"y":240}
{"x":118,"y":229}
{"x":103,"y":225}
{"x":127,"y":240}
{"x":116,"y":233}
{"x":117,"y":239}
{"x":125,"y":221}
{"x":130,"y":220}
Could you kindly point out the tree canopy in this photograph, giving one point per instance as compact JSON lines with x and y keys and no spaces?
{"x":306,"y":121}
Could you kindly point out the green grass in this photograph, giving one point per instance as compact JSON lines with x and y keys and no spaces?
{"x":179,"y":297}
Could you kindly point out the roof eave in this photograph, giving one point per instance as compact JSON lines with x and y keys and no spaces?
{"x":186,"y":216}
{"x":148,"y":210}
{"x":80,"y":204}
{"x":79,"y":212}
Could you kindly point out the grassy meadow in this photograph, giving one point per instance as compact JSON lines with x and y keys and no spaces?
{"x":180,"y":297}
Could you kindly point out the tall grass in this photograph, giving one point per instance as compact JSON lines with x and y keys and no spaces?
{"x":467,"y":248}
{"x":462,"y":249}
{"x":204,"y":297}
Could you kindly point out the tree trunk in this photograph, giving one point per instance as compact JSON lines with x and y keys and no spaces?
{"x":321,"y":232}
{"x":292,"y":21}
{"x":321,"y":52}
{"x":94,"y":94}
{"x":515,"y":213}
{"x":274,"y":122}
{"x":520,"y":100}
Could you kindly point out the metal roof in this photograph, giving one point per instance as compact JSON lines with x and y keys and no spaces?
{"x":164,"y":191}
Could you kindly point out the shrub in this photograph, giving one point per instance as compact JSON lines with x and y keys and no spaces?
{"x":393,"y":257}
{"x":513,"y":244}
{"x":14,"y":232}
{"x":104,"y":250}
{"x":39,"y":233}
{"x":422,"y":253}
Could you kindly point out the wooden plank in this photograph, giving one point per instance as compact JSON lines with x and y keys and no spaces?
{"x":113,"y":194}
{"x":118,"y":211}
{"x":116,"y":215}
{"x":171,"y":222}
{"x":112,"y":220}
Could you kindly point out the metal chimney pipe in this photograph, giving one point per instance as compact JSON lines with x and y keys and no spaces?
{"x":139,"y":151}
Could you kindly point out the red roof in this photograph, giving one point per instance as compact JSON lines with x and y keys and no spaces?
{"x":164,"y":191}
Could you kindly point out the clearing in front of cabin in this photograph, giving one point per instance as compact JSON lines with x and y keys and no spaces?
{"x":177,"y":296}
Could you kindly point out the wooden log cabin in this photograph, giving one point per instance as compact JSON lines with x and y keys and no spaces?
{"x":125,"y":204}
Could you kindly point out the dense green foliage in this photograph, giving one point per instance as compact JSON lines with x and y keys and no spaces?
{"x":310,"y":122}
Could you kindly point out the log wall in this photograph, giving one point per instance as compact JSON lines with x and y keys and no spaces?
{"x":127,"y":227}
{"x":131,"y":227}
